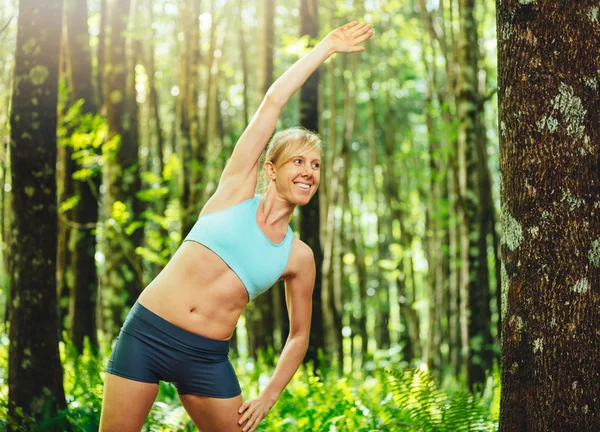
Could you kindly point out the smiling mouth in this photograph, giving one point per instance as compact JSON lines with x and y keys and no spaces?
{"x":303,"y":186}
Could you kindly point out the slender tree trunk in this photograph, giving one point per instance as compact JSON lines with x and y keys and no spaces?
{"x":123,"y":271}
{"x":262,"y":316}
{"x":85,"y":215}
{"x":192,"y":148}
{"x":66,"y":189}
{"x":310,"y":213}
{"x":244,"y":62}
{"x":34,"y":369}
{"x":433,"y":353}
{"x":382,"y":331}
{"x":549,"y":146}
{"x":409,"y":319}
{"x":477,"y":303}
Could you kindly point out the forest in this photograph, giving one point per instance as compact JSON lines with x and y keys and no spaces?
{"x":455,"y":230}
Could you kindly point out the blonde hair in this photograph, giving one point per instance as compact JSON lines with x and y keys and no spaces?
{"x":284,"y":145}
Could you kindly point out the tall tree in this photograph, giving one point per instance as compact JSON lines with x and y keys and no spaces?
{"x":65,"y":185}
{"x":261,"y":335}
{"x":82,"y":307}
{"x":477,"y":300}
{"x":35,"y":372}
{"x":191,"y":147}
{"x":549,"y":58}
{"x":309,"y":214}
{"x":123,"y":270}
{"x":330,"y":189}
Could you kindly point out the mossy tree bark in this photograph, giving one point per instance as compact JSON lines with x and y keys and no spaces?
{"x":310,"y":213}
{"x":35,"y":372}
{"x":549,"y":74}
{"x":82,"y":307}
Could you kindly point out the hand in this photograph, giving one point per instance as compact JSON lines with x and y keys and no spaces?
{"x":345,"y":39}
{"x":255,"y":411}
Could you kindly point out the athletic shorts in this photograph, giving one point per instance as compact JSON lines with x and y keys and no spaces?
{"x":150,"y":349}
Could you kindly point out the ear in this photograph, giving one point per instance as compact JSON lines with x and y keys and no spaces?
{"x":271,"y":170}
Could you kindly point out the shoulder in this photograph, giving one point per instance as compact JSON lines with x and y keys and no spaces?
{"x":303,"y":251}
{"x":301,"y":256}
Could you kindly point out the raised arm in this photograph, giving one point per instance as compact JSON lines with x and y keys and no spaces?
{"x":247,"y":151}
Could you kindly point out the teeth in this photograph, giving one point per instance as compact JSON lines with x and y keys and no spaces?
{"x":303,"y":186}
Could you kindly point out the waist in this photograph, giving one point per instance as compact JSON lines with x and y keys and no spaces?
{"x":174,"y":333}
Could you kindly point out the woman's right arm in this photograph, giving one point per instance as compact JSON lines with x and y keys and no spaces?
{"x":247,"y":151}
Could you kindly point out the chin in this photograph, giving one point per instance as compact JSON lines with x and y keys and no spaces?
{"x":304,"y":200}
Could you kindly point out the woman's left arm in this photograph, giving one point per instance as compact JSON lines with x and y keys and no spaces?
{"x":299,"y":288}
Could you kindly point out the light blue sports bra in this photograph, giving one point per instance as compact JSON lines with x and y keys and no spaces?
{"x":235,"y":237}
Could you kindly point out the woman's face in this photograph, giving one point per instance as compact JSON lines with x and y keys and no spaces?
{"x":298,"y":178}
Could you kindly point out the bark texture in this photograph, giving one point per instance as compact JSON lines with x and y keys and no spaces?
{"x":35,"y":372}
{"x":549,"y":118}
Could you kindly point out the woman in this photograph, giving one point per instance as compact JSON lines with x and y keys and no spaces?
{"x":178,"y":331}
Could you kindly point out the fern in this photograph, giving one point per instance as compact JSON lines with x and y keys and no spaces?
{"x":418,"y":396}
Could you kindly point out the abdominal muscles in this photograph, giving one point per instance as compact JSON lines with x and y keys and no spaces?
{"x":198,"y":292}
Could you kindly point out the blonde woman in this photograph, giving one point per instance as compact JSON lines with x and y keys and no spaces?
{"x":179,"y":329}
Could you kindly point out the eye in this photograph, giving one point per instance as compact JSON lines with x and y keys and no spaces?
{"x":298,"y":160}
{"x":316,"y":165}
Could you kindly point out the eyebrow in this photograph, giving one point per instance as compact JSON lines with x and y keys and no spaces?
{"x":314,"y":160}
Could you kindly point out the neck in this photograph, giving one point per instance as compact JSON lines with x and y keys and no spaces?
{"x":275,"y":211}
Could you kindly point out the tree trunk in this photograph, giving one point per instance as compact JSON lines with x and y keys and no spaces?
{"x":85,"y":215}
{"x":65,"y":185}
{"x":409,"y":320}
{"x":469,"y":115}
{"x":191,"y":149}
{"x":262,"y":319}
{"x":549,"y":58}
{"x":123,"y":271}
{"x":433,"y":244}
{"x":310,"y":213}
{"x":35,"y":373}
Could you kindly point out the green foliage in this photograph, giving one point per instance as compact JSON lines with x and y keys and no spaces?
{"x":424,"y":406}
{"x":386,"y":400}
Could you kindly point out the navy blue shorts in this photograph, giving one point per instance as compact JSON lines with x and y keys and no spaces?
{"x":149,"y":349}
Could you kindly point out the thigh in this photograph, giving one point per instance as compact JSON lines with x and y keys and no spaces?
{"x":126,"y":404}
{"x":213,"y":414}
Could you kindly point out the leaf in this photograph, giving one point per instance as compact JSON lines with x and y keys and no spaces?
{"x":69,"y":203}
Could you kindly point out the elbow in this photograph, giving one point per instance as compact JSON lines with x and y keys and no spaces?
{"x":300,"y":340}
{"x":271,"y":99}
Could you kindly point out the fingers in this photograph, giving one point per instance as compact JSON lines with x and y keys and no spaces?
{"x":254,"y":424}
{"x":361,"y":31}
{"x":363,"y":37}
{"x":354,"y":27}
{"x":251,"y":420}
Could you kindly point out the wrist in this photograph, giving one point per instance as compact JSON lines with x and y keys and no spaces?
{"x":328,"y":46}
{"x":270,"y":396}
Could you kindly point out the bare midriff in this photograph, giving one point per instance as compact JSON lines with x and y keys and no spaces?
{"x":198,"y":292}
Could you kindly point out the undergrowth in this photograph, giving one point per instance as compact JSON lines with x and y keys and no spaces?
{"x":386,"y":399}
